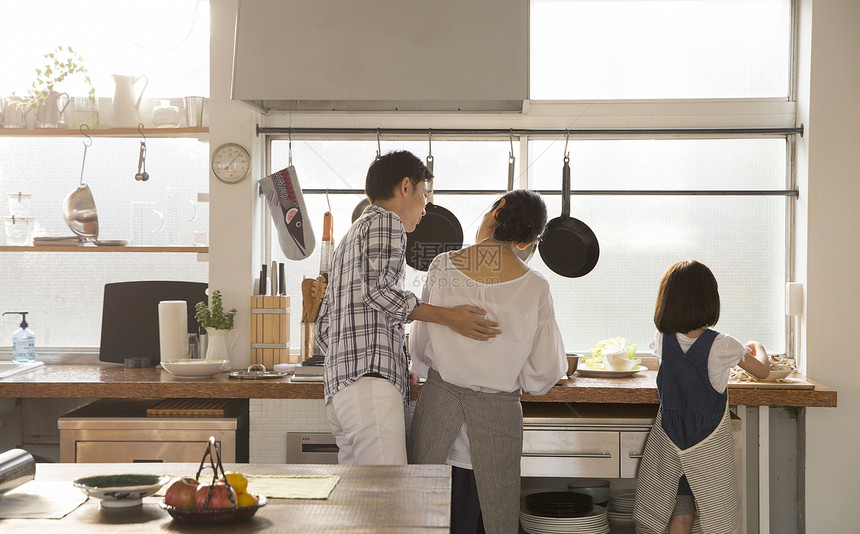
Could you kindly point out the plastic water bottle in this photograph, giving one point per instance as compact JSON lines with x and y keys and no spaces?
{"x":23,"y":342}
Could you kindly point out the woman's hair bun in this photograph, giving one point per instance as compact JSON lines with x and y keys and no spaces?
{"x":523,"y":217}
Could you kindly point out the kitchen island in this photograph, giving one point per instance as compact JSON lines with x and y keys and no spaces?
{"x":115,"y":381}
{"x":379,"y":499}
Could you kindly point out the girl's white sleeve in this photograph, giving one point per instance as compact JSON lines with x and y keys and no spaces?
{"x":547,"y":361}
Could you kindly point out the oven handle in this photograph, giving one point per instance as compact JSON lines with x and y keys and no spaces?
{"x":567,"y":455}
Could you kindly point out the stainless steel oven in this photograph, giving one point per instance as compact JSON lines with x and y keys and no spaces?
{"x":119,"y":431}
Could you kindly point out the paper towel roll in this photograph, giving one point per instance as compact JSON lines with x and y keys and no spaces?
{"x":173,"y":329}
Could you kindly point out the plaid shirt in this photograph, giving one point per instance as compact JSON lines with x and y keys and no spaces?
{"x":360,"y":324}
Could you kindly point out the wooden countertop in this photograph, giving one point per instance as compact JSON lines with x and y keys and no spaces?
{"x":115,"y":381}
{"x":378,"y":498}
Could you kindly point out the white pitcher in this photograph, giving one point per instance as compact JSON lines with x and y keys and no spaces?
{"x":217,"y":347}
{"x":126,"y":110}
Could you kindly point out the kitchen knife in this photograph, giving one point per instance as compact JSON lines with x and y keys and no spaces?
{"x":281,"y":280}
{"x":263,"y":277}
{"x":274,"y":290}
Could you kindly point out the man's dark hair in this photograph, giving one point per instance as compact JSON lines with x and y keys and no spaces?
{"x":386,"y":173}
{"x":688,"y":298}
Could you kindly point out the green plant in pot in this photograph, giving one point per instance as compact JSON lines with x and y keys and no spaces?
{"x":218,"y":325}
{"x":61,"y":63}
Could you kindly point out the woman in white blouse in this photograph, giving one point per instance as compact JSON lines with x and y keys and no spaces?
{"x":468,"y":413}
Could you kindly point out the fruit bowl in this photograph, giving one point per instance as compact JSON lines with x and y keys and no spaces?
{"x":217,"y":515}
{"x":119,"y":491}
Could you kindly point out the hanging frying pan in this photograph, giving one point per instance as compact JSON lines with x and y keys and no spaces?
{"x":439,"y":231}
{"x":524,"y":254}
{"x":568,"y":246}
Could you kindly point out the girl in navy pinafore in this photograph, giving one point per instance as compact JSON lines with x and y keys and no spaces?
{"x":686,"y":479}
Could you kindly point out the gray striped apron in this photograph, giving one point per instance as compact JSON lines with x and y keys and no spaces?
{"x":494,"y":425}
{"x":710,"y":469}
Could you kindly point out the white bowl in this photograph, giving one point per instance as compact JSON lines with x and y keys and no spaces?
{"x":618,"y":361}
{"x":777,"y":375}
{"x":187,"y":368}
{"x":119,"y":491}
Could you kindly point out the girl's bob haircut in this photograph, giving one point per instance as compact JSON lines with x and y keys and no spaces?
{"x":687,"y":299}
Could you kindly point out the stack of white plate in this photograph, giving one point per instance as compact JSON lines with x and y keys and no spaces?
{"x":594,"y":522}
{"x":620,"y":512}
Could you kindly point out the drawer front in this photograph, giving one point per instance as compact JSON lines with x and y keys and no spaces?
{"x":142,"y":451}
{"x":570,"y":453}
{"x":632,"y":445}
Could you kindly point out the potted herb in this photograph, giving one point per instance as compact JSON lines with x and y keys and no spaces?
{"x":61,"y":64}
{"x":218,"y":325}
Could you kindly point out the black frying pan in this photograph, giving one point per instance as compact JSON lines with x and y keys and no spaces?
{"x":568,"y":246}
{"x":439,"y":231}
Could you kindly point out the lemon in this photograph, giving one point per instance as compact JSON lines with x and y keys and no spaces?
{"x":237,"y":481}
{"x":246,"y":499}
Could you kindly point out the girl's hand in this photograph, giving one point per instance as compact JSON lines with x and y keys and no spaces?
{"x":758,"y":365}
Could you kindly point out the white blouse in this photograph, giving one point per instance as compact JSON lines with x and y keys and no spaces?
{"x":528,"y":354}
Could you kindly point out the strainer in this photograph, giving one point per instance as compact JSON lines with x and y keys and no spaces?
{"x":79,"y":208}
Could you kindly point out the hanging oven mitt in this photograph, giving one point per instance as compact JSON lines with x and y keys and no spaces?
{"x":287,"y":205}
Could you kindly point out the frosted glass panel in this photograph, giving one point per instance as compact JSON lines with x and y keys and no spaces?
{"x":743,"y":164}
{"x":63,"y":291}
{"x":166,"y":40}
{"x":742,"y":239}
{"x":654,"y":49}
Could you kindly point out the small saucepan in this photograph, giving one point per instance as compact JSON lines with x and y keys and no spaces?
{"x":568,"y":246}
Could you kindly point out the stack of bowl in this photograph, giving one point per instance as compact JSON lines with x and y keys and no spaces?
{"x":597,"y":489}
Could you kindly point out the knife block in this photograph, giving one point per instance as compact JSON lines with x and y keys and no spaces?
{"x":270,"y":331}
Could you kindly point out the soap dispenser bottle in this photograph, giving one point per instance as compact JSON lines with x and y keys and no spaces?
{"x":23,"y":341}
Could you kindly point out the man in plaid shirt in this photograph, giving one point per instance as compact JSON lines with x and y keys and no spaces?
{"x":360,"y":325}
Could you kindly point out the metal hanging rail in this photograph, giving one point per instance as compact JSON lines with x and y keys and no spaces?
{"x":536,"y":132}
{"x":594,"y":192}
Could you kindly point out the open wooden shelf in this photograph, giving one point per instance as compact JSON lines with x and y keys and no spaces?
{"x":94,"y":248}
{"x":108,"y":132}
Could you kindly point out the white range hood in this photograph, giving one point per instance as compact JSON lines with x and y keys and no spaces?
{"x":381,"y":55}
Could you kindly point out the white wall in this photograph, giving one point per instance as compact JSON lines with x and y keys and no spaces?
{"x":232,"y":249}
{"x":829,"y":197}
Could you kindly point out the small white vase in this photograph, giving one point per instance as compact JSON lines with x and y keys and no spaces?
{"x":218,"y":347}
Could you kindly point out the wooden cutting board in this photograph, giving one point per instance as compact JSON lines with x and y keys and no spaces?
{"x":792,"y":382}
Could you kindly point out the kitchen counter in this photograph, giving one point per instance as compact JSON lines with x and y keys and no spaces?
{"x":379,"y":498}
{"x":114,"y":381}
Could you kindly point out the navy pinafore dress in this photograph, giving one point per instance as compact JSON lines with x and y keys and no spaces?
{"x":691,"y":408}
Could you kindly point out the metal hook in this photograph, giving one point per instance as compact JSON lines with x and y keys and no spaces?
{"x":327,"y":200}
{"x":90,"y":139}
{"x":378,"y":145}
{"x":141,"y":159}
{"x":511,"y":137}
{"x":566,"y":139}
{"x":290,"y":147}
{"x":430,"y":143}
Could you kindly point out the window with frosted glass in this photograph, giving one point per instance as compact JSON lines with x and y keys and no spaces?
{"x":741,"y":238}
{"x":659,"y":49}
{"x":463,"y":165}
{"x":166,"y":41}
